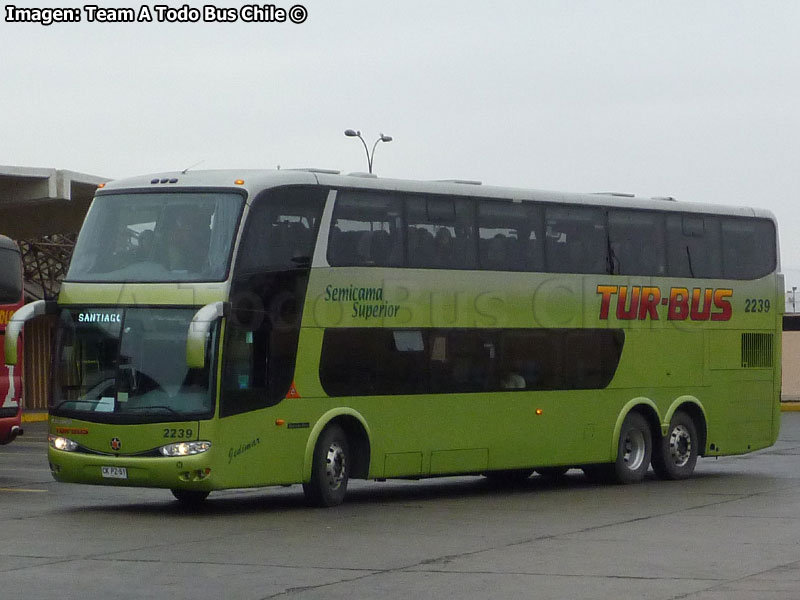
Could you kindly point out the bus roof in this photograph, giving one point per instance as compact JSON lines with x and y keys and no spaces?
{"x":256,"y":180}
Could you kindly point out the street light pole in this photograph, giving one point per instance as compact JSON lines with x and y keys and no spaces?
{"x":370,"y":155}
{"x":794,"y":290}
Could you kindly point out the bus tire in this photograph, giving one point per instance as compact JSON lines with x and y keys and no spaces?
{"x":189,"y":497}
{"x":634,"y":450}
{"x":675,"y":457}
{"x":330,"y":469}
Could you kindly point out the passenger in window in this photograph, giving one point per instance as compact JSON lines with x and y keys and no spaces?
{"x":365,"y":248}
{"x":512,"y":381}
{"x":122,"y":249}
{"x":187,"y":245}
{"x":421,"y":247}
{"x":496,"y":253}
{"x":443,"y":243}
{"x":145,"y":249}
{"x":381,"y":248}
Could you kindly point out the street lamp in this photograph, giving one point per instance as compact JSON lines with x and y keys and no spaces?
{"x":794,"y":290}
{"x":370,"y":155}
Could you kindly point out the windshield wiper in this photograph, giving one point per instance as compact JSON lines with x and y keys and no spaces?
{"x":172,"y":411}
{"x":92,"y":402}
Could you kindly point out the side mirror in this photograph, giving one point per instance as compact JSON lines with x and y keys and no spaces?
{"x":198,"y":332}
{"x":14,"y":327}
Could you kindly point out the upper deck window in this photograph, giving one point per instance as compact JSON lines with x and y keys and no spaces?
{"x":693,"y":246}
{"x":157,"y":237}
{"x":636,"y":243}
{"x":510,"y":236}
{"x":10,"y":276}
{"x":575,"y":240}
{"x":281,"y":230}
{"x":440,"y":232}
{"x":367,"y":230}
{"x":434,"y":231}
{"x":748,"y":248}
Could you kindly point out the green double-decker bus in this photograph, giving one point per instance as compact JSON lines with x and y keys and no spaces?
{"x":229,"y":329}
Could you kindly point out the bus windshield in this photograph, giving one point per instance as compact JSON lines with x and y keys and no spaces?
{"x":157,"y":237}
{"x":10,"y":277}
{"x":130,"y":365}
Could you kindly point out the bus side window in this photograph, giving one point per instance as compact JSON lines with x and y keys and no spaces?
{"x":637,"y":243}
{"x":748,"y":248}
{"x":383,"y":362}
{"x":281,"y":230}
{"x":506,"y":236}
{"x":267,"y":295}
{"x":575,"y":240}
{"x":440,"y":232}
{"x":366,"y":230}
{"x":694,"y":247}
{"x":464,"y":361}
{"x":358,"y":362}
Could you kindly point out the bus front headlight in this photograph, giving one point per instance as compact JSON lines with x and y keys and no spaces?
{"x":61,"y":443}
{"x":184,"y":448}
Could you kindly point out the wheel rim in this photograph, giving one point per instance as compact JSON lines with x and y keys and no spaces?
{"x":335,"y":466}
{"x":680,"y":445}
{"x":634,"y":450}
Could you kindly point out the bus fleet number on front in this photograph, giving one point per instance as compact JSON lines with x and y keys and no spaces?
{"x":178,"y":433}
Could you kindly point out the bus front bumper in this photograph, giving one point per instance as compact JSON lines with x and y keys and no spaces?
{"x":186,"y":472}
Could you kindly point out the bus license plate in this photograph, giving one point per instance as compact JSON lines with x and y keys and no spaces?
{"x":114,"y":472}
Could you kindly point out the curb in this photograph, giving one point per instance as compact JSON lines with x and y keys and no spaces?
{"x":790,"y":406}
{"x":34,"y":417}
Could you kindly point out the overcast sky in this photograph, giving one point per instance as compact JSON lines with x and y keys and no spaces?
{"x":693,"y":99}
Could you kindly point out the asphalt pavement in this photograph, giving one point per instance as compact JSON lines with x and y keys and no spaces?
{"x":730,"y":532}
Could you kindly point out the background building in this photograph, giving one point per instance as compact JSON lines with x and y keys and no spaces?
{"x":42,"y":210}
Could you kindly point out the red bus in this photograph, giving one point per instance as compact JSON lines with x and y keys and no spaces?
{"x":11,"y":299}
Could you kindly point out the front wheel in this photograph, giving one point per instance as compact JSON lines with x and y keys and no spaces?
{"x":675,"y":457}
{"x":634,"y":450}
{"x":189,"y":497}
{"x":330,"y":469}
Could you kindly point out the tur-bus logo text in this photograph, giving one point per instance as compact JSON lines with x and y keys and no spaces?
{"x":641,"y":302}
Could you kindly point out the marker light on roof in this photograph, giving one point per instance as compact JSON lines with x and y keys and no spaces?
{"x":239,"y":182}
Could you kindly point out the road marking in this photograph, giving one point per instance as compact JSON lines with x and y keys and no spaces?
{"x":29,"y":470}
{"x":23,"y":490}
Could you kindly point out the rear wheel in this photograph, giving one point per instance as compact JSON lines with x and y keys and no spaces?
{"x":675,"y":457}
{"x":330,"y":469}
{"x":189,"y":497}
{"x":634,"y":450}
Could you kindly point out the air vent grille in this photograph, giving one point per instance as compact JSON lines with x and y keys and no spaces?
{"x":756,"y":350}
